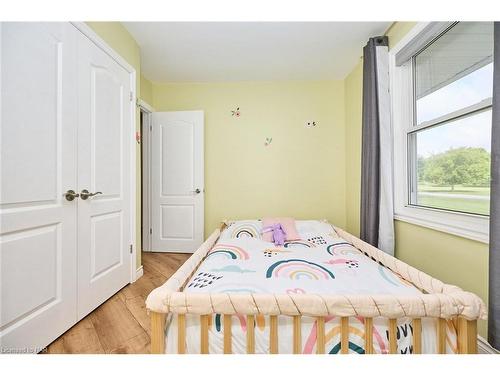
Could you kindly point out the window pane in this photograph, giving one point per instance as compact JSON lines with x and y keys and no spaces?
{"x":455,"y":71}
{"x":453,"y":165}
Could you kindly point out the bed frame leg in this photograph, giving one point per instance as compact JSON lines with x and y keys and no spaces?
{"x":467,"y":336}
{"x":158,"y":333}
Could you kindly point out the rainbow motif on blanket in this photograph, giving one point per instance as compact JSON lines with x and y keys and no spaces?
{"x":392,"y":277}
{"x":332,"y":337}
{"x":388,"y":276}
{"x":238,"y":288}
{"x":297,"y":269}
{"x":299,"y":243}
{"x":229,"y":252}
{"x":342,"y":248}
{"x":245,"y":230}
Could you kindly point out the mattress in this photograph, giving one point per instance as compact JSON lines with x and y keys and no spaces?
{"x":320,"y":262}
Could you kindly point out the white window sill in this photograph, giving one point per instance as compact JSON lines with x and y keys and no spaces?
{"x":473,"y":227}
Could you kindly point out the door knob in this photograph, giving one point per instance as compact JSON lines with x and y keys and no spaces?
{"x":85,"y":194}
{"x":197,"y":191}
{"x":70,"y":195}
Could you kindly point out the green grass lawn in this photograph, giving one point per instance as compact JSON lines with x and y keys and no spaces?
{"x":459,"y":189}
{"x":476,"y":206}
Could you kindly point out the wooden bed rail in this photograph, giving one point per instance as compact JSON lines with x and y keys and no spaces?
{"x":466,"y":335}
{"x":438,"y":301}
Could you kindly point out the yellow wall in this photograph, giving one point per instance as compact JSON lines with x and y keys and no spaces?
{"x":300,"y":174}
{"x":452,"y":259}
{"x":146,"y":90}
{"x":118,"y":38}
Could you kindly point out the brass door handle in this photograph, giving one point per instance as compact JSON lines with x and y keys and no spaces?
{"x":85,"y":194}
{"x":70,"y":195}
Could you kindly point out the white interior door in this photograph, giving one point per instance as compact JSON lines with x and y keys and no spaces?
{"x":104,"y":151}
{"x":38,"y":158}
{"x":177,"y":181}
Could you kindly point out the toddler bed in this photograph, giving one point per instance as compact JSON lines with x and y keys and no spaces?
{"x":329,"y":292}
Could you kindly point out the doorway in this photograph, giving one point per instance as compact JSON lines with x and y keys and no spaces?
{"x":146,"y":114}
{"x":172,"y":180}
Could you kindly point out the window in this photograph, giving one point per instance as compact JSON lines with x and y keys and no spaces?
{"x":442,"y":121}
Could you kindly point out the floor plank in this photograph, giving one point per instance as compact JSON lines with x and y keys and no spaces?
{"x":114,"y":324}
{"x":137,"y":308}
{"x":121,"y":324}
{"x":82,"y":338}
{"x":140,"y":344}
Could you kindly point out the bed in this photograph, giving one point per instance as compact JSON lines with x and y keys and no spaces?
{"x":329,"y":293}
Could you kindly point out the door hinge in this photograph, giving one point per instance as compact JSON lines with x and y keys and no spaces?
{"x":150,"y":231}
{"x":131,"y":247}
{"x":131,"y":96}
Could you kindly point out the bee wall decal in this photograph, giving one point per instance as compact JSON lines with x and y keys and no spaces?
{"x":236,"y":112}
{"x":268,"y":141}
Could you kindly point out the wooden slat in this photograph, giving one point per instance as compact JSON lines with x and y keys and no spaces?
{"x":181,"y":334}
{"x":344,"y":335}
{"x":227,"y":335}
{"x":273,"y":334}
{"x":369,"y":336}
{"x":297,"y":335}
{"x":157,"y":333}
{"x":467,"y":336}
{"x":417,"y":336}
{"x":441,"y":336}
{"x":204,"y":333}
{"x":320,"y":333}
{"x":250,"y":334}
{"x":393,"y":343}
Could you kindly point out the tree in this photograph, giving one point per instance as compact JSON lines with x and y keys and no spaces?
{"x":457,"y":166}
{"x":421,"y":167}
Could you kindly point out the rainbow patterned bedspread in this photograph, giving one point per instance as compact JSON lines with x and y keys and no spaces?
{"x":320,"y":263}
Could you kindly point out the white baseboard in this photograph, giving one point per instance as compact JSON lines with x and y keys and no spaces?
{"x":139,"y":273}
{"x":483,"y":347}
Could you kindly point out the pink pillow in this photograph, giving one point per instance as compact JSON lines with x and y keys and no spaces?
{"x":288,"y":225}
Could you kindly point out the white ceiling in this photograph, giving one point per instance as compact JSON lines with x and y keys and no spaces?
{"x":250,"y":51}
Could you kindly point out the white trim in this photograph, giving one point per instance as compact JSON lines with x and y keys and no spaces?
{"x":484,"y":347}
{"x":473,"y":109}
{"x":99,"y":42}
{"x":146,"y":176}
{"x":425,"y":35}
{"x":412,"y":34}
{"x":145,"y":106}
{"x":139,"y":273}
{"x":475,"y":227}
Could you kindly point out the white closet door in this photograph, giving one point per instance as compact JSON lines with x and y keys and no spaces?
{"x":104,"y":139}
{"x":177,"y":180}
{"x":38,"y":160}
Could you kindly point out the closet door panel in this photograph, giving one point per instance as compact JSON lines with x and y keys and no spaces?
{"x":38,"y":165}
{"x":104,"y":132}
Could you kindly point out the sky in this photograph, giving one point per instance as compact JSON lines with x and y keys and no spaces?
{"x":472,"y":131}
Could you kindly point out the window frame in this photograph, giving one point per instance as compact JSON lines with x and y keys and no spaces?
{"x":468,"y":225}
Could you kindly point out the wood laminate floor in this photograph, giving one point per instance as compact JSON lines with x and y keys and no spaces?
{"x":121,"y":324}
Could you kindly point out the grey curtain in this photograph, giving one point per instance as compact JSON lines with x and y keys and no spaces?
{"x":494,"y":262}
{"x":376,"y":120}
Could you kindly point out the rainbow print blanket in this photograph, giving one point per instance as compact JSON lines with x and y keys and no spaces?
{"x":320,"y":263}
